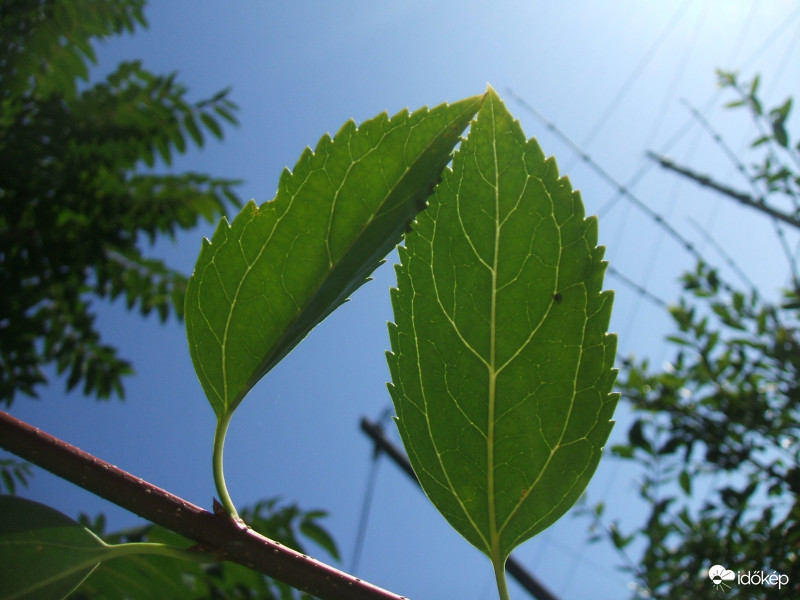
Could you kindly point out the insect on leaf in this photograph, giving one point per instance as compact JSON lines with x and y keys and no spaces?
{"x":264,"y":281}
{"x":500,"y":362}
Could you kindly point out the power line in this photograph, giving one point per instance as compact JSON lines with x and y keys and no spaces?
{"x":363,"y":520}
{"x":655,"y":248}
{"x":678,"y":75}
{"x":772,"y":37}
{"x":721,"y":251}
{"x":635,"y":73}
{"x":369,"y":493}
{"x":759,"y":204}
{"x":514,"y":568}
{"x":785,"y":61}
{"x":621,"y":189}
{"x":747,"y":25}
{"x":641,"y":290}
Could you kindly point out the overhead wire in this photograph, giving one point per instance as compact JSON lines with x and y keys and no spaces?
{"x":730,"y":262}
{"x":368,"y":497}
{"x":366,"y":507}
{"x":620,"y":190}
{"x":759,"y":194}
{"x":689,"y":123}
{"x":776,"y":33}
{"x":636,"y":72}
{"x":655,"y":248}
{"x":624,"y":190}
{"x":698,"y":115}
{"x":786,"y":59}
{"x":721,"y":251}
{"x":605,"y":116}
{"x":646,"y":166}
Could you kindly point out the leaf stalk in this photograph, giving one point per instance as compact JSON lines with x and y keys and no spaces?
{"x":230,"y":540}
{"x":500,"y":577}
{"x":158,"y":549}
{"x":217,"y":464}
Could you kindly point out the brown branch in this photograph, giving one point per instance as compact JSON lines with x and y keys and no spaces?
{"x":231,"y":540}
{"x":704,"y":180}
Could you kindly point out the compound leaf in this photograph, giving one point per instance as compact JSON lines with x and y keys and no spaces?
{"x":263,"y":282}
{"x":501,"y":365}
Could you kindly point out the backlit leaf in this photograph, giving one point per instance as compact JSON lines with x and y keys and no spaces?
{"x":212,"y":125}
{"x":147,"y":577}
{"x":45,"y":554}
{"x":263,"y":282}
{"x":501,"y":364}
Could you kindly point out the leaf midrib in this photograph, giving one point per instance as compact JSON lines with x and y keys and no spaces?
{"x":230,"y":404}
{"x":494,"y":533}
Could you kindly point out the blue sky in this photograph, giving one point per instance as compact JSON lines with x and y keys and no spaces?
{"x":609,"y":74}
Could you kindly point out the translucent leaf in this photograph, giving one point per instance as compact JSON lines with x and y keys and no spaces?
{"x":686,"y":482}
{"x":226,"y":114}
{"x":8,"y":481}
{"x":212,"y":125}
{"x":192,"y":128}
{"x":43,"y":554}
{"x":779,"y":132}
{"x":163,"y":148}
{"x":148,"y":577}
{"x":637,"y":438}
{"x":754,"y":85}
{"x":320,"y":535}
{"x":501,"y":365}
{"x":263,"y":282}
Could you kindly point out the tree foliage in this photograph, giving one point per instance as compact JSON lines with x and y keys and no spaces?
{"x":75,"y":203}
{"x":79,"y":194}
{"x":278,"y":270}
{"x":717,"y":431}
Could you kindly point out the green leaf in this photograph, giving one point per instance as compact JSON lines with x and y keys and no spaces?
{"x":226,"y":114}
{"x":43,"y":553}
{"x":313,"y":531}
{"x":147,"y":577}
{"x":262,"y":283}
{"x":194,"y":131}
{"x":501,"y":366}
{"x":686,"y":482}
{"x":637,"y":438}
{"x":212,"y":125}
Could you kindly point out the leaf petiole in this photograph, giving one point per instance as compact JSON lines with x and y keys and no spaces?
{"x":158,"y":549}
{"x":500,"y":577}
{"x":219,"y":476}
